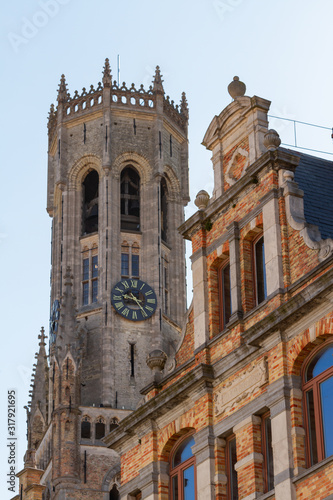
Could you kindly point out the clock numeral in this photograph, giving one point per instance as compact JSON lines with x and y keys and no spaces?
{"x":149,"y":292}
{"x":144,"y":314}
{"x":119,"y":289}
{"x":125,"y":312}
{"x":134,"y":315}
{"x":125,"y":284}
{"x":151,"y":301}
{"x":119,"y":305}
{"x":116,"y":297}
{"x":142,"y":286}
{"x":134,"y":283}
{"x":150,"y":309}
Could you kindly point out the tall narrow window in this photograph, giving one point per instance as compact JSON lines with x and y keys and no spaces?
{"x":130,"y":260}
{"x":85,"y":428}
{"x":164,"y":210}
{"x":99,"y":429}
{"x":267,"y":452}
{"x":130,"y":199}
{"x":225,"y":295}
{"x":318,"y":404}
{"x":259,"y":270}
{"x":90,"y":203}
{"x":231,"y":460}
{"x":89,"y":277}
{"x":182,"y":471}
{"x":114,"y":493}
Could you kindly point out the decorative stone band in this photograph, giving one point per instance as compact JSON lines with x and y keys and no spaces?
{"x":241,"y":387}
{"x":295,"y":216}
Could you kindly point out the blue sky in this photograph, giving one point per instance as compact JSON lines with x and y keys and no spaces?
{"x":281,"y":50}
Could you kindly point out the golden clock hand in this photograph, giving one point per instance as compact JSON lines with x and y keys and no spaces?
{"x":135,"y":298}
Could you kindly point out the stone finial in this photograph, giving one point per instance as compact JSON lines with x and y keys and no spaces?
{"x":288,"y":175}
{"x":236,"y":88}
{"x":42,"y":337}
{"x":201,"y":200}
{"x":107,"y":78}
{"x":156,"y":361}
{"x":184,"y":105}
{"x":272,"y":140}
{"x":158,"y":82}
{"x":62,"y":91}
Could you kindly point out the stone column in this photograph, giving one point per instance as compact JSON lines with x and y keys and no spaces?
{"x":205,"y":463}
{"x":281,"y":441}
{"x":249,"y":458}
{"x":200,"y":298}
{"x":273,"y":250}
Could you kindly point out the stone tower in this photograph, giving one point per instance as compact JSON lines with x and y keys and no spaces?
{"x":117,"y":187}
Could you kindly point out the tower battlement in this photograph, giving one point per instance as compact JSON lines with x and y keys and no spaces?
{"x":120,"y":97}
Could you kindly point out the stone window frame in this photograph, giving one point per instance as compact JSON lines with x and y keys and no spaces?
{"x":130,"y":250}
{"x":177,"y":471}
{"x":313,"y":384}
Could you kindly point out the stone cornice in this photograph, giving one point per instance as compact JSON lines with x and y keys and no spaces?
{"x":159,"y":404}
{"x":279,"y":159}
{"x":295,"y":307}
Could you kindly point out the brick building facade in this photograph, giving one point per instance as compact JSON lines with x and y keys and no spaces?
{"x":234,"y":400}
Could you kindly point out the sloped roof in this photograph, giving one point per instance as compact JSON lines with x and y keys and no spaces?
{"x":315,"y":177}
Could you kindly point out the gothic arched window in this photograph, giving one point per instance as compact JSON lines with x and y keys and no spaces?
{"x":318,"y":404}
{"x":182,"y":471}
{"x":114,"y":493}
{"x":85,"y":428}
{"x":90,"y":202}
{"x":164,"y":210}
{"x":99,"y":429}
{"x":130,"y":199}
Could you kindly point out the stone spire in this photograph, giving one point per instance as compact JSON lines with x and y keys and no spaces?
{"x":184,"y":106}
{"x":62,"y":91}
{"x":107,"y":78}
{"x":158,"y":82}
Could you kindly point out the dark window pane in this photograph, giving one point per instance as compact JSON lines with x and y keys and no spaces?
{"x":320,"y":363}
{"x":269,"y":455}
{"x":124,"y":264}
{"x":130,"y":199}
{"x":164,"y":210}
{"x":114,"y":493}
{"x":95,"y":266}
{"x":232,"y":471}
{"x":135,"y":266}
{"x":90,"y":203}
{"x":175,"y":488}
{"x":188,"y":483}
{"x":99,"y":430}
{"x":183,"y":452}
{"x":85,"y":430}
{"x":94,"y":290}
{"x":312,"y":427}
{"x":260,"y":275}
{"x":85,"y":269}
{"x":85,"y":294}
{"x":226,"y":297}
{"x":326,"y":394}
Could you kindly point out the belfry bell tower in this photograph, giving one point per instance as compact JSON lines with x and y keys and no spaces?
{"x":117,"y":187}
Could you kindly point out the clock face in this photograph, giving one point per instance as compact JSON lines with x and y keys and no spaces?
{"x":134,"y":299}
{"x":55,"y":315}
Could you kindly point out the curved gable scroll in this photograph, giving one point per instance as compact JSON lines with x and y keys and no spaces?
{"x":81,"y":168}
{"x":138,"y":161}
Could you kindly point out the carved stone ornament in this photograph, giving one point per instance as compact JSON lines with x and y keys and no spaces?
{"x":201,"y":200}
{"x":156,"y":360}
{"x":236,"y":88}
{"x":245,"y":384}
{"x":272,"y":140}
{"x":232,"y":167}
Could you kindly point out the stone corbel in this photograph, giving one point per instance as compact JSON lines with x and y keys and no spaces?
{"x":295,"y":217}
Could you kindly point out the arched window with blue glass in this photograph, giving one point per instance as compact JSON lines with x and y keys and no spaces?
{"x":182,"y":470}
{"x":318,"y":403}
